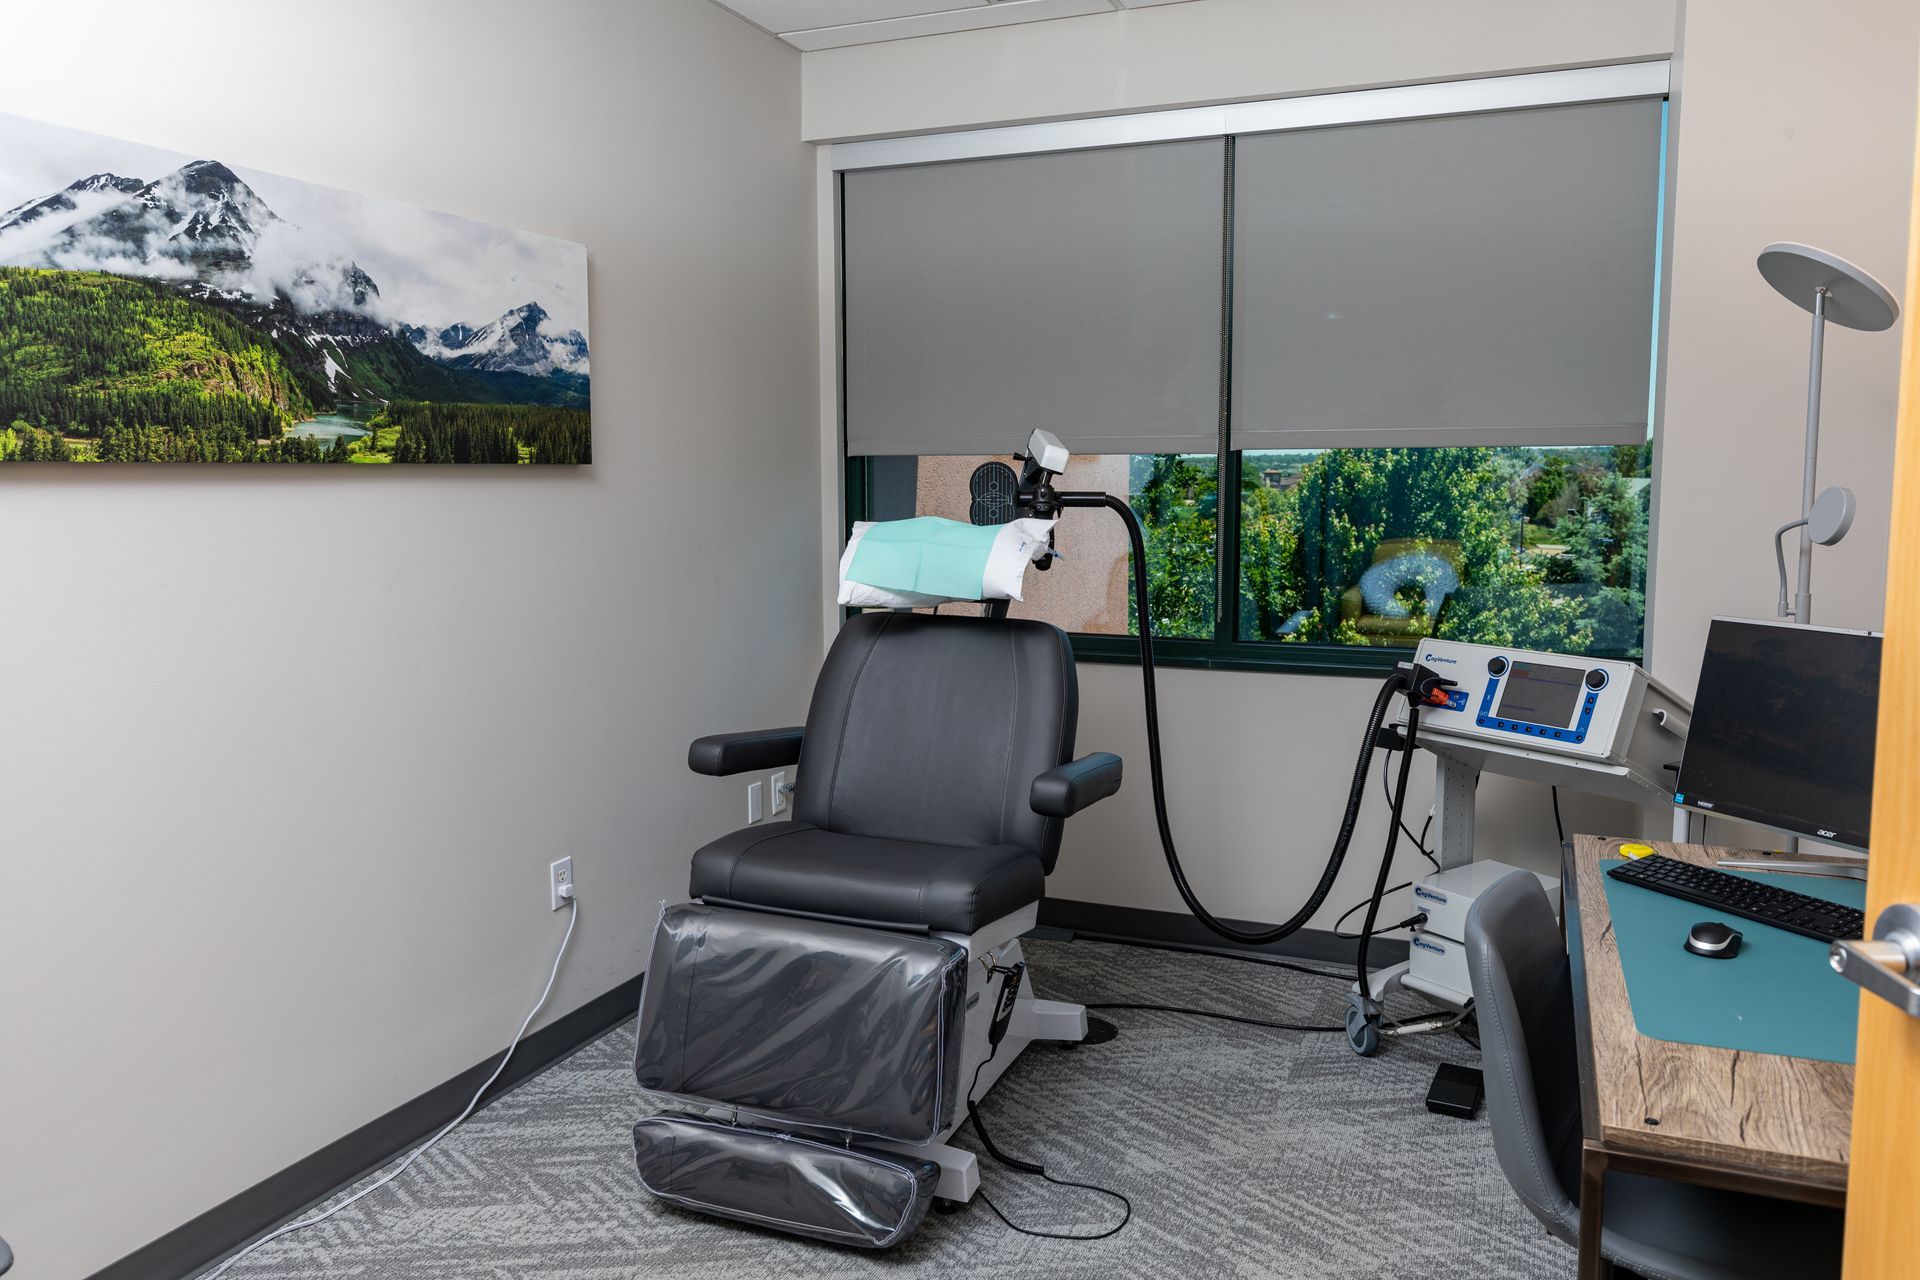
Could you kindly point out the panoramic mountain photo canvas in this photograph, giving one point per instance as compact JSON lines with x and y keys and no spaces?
{"x":161,"y":307}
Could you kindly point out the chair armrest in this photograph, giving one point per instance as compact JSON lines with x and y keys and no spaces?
{"x":1065,"y":790}
{"x":720,"y":754}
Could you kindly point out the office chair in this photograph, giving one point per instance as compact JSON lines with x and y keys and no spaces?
{"x":854,"y":974}
{"x":1523,"y":995}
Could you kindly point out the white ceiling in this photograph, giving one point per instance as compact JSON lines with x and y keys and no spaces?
{"x":828,"y":24}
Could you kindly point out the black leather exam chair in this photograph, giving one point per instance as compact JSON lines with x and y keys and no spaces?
{"x":854,"y":976}
{"x":935,"y":770}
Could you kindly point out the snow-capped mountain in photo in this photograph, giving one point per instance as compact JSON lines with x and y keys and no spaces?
{"x":203,"y":230}
{"x":524,"y":340}
{"x":200,"y":221}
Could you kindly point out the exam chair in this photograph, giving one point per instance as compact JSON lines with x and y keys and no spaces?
{"x":842,"y":983}
{"x":1664,"y":1230}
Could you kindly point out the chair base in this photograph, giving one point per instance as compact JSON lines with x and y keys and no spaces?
{"x":1033,"y":1019}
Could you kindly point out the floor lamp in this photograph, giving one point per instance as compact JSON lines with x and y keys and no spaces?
{"x":1835,"y":290}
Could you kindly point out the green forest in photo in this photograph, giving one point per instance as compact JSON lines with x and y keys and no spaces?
{"x":1548,"y":546}
{"x":106,"y":368}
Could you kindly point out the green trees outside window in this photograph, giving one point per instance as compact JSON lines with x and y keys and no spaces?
{"x":1537,"y":548}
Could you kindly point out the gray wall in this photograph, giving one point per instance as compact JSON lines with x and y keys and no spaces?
{"x":1767,"y":152}
{"x":288,"y":751}
{"x":1258,"y":764}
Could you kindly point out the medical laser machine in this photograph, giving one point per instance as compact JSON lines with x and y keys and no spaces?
{"x":1595,"y":725}
{"x":1588,"y":724}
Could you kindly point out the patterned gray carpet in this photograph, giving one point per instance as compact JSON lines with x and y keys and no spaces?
{"x":1247,"y":1153}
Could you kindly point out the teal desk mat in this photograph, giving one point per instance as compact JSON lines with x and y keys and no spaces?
{"x":1779,"y":995}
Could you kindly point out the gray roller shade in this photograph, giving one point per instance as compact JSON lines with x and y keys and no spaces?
{"x":1481,"y":279}
{"x":1080,"y":292}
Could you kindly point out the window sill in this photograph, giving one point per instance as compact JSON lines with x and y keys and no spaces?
{"x":1290,"y":659}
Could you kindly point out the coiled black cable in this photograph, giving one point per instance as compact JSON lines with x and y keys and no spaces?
{"x":1356,"y":793}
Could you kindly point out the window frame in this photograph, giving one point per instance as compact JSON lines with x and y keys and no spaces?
{"x":1225,"y":651}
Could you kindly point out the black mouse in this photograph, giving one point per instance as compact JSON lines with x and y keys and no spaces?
{"x":1714,"y":940}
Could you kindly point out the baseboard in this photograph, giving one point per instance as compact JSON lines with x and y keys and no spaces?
{"x":1098,"y":922}
{"x":188,"y":1249}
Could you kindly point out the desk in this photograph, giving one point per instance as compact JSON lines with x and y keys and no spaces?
{"x":1753,"y":1122}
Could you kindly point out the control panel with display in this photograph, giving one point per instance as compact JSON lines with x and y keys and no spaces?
{"x":1553,"y":702}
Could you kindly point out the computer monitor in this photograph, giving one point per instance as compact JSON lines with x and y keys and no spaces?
{"x":1783,"y":729}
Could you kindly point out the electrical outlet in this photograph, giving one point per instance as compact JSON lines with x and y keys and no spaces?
{"x":559,"y":874}
{"x":779,"y":794}
{"x":755,"y":791}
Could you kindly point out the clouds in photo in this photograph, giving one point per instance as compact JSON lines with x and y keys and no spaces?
{"x":432,"y":269}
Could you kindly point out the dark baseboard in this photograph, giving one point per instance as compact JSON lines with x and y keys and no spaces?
{"x":1099,"y":922}
{"x":188,"y":1249}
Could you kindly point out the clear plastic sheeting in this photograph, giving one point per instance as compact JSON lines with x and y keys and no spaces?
{"x":844,"y":1195}
{"x":803,"y":1022}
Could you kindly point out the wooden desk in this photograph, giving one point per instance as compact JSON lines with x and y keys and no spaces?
{"x":1755,"y":1122}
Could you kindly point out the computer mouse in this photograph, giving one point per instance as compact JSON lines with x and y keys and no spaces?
{"x":1714,"y":940}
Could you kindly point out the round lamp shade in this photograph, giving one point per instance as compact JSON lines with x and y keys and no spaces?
{"x":1854,"y":298}
{"x":1832,"y":515}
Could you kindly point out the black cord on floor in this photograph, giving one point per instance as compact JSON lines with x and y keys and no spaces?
{"x":1558,"y":828}
{"x":1033,"y":1170}
{"x":1468,"y":1029}
{"x":1245,"y":957}
{"x":1208,"y":1013}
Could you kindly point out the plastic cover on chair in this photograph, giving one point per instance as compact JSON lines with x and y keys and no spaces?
{"x":803,"y":1022}
{"x":844,"y":1195}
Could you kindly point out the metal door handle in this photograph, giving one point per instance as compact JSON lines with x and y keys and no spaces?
{"x":1886,"y":966}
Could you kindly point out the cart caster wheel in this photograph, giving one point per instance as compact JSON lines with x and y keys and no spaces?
{"x":1363,"y":1026}
{"x":947,"y":1206}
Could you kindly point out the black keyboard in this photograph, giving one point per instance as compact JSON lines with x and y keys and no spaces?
{"x":1739,"y":896}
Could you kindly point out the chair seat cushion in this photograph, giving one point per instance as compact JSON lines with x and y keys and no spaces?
{"x":798,"y":867}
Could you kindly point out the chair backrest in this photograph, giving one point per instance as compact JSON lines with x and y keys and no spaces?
{"x":932,"y":729}
{"x":1523,"y":997}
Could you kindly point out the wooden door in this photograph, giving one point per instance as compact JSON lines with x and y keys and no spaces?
{"x":1884,"y":1181}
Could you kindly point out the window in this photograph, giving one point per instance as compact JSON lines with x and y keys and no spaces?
{"x":1537,"y":548}
{"x":1416,"y":353}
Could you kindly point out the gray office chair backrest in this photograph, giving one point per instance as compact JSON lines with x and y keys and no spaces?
{"x":931,"y":729}
{"x":1523,"y":997}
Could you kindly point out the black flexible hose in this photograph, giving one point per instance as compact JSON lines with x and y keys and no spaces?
{"x":1393,"y":840}
{"x":1356,"y":793}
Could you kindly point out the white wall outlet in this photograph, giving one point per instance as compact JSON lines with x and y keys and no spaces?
{"x":560,"y":873}
{"x":780,"y":790}
{"x":756,"y":791}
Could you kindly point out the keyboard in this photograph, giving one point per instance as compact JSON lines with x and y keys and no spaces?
{"x":1736,"y":895}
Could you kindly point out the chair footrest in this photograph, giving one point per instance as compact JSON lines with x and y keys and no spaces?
{"x":844,"y":1195}
{"x":803,"y":1023}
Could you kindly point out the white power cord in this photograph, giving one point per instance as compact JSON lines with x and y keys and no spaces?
{"x":573,"y":917}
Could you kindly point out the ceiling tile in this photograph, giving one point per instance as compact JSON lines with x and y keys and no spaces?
{"x":781,"y":16}
{"x":1004,"y":13}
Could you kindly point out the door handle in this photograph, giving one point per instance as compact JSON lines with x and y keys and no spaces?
{"x":1887,"y":965}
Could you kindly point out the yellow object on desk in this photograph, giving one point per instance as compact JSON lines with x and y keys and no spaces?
{"x":1635,"y":850}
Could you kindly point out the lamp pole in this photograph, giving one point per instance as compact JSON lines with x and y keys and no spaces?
{"x":1803,"y":589}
